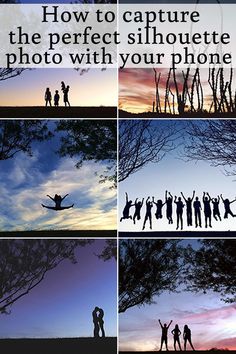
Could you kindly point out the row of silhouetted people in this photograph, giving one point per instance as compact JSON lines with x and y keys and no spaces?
{"x":176,"y":336}
{"x":210,"y":207}
{"x":48,"y":96}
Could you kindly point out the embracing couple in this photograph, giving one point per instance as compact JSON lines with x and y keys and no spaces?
{"x":98,"y":322}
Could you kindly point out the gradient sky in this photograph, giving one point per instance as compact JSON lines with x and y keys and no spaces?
{"x":212,"y":322}
{"x":176,"y":175}
{"x":61,"y":305}
{"x":25,"y":182}
{"x":137,"y":89}
{"x":93,"y":88}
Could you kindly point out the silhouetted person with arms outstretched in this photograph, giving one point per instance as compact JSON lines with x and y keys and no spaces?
{"x":95,"y":322}
{"x":66,"y":98}
{"x":101,"y":321}
{"x":176,"y":333}
{"x":57,"y":200}
{"x":189,"y":212}
{"x":159,"y":204}
{"x":127,"y":207}
{"x":169,"y":207}
{"x":48,"y":97}
{"x":164,"y":335}
{"x":138,"y":206}
{"x":207,"y":208}
{"x":148,"y":215}
{"x":197,"y":212}
{"x":179,"y":212}
{"x":216,"y":210}
{"x":187,"y":337}
{"x":227,"y":207}
{"x":56,"y":99}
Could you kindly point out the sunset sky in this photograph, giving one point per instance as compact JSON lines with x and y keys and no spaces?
{"x":175,"y":174}
{"x":212,"y":322}
{"x":61,"y":305}
{"x":25,"y":182}
{"x":93,"y":88}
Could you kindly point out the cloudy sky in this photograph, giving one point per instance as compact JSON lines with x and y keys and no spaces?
{"x":212,"y":322}
{"x":62,"y":304}
{"x":25,"y":182}
{"x":175,"y":174}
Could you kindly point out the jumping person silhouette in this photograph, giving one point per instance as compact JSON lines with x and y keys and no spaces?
{"x":148,"y":215}
{"x":48,"y":97}
{"x":227,"y":207}
{"x":176,"y":333}
{"x":207,"y":208}
{"x":164,"y":335}
{"x":138,"y":206}
{"x":197,"y":212}
{"x":57,"y":200}
{"x":159,"y":204}
{"x":169,"y":208}
{"x":179,"y":212}
{"x":127,"y":207}
{"x":216,"y":210}
{"x":189,"y":208}
{"x":187,"y":337}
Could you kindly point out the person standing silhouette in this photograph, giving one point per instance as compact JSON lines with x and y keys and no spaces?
{"x":207,"y":208}
{"x":127,"y":207}
{"x":227,"y":207}
{"x":179,"y":212}
{"x":56,"y":99}
{"x":197,"y":212}
{"x":164,"y":334}
{"x":148,"y":215}
{"x":95,"y":322}
{"x":189,"y":208}
{"x":176,"y":333}
{"x":138,"y":206}
{"x":169,"y":208}
{"x":66,"y":98}
{"x":216,"y":210}
{"x":101,"y":321}
{"x":187,"y":337}
{"x":48,"y":97}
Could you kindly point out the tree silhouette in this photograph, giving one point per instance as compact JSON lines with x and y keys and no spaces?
{"x":146,"y":269}
{"x":212,"y":267}
{"x":214,"y":141}
{"x":109,"y":251}
{"x":18,"y":135}
{"x":91,"y":140}
{"x":9,"y":73}
{"x":142,"y":142}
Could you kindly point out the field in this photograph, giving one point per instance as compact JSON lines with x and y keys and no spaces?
{"x":59,"y":346}
{"x":58,"y":112}
{"x":61,"y":233}
{"x":179,"y":234}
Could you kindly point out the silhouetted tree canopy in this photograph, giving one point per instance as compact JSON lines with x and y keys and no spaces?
{"x":109,"y":251}
{"x":91,"y":140}
{"x":212,"y":268}
{"x":214,"y":141}
{"x":24,"y":264}
{"x":146,"y":269}
{"x":142,"y":142}
{"x":18,"y":135}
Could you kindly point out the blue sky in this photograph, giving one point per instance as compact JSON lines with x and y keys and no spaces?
{"x":176,"y":175}
{"x":25,"y":182}
{"x":61,"y":305}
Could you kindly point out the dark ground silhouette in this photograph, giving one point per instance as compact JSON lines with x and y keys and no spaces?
{"x":171,"y":234}
{"x":61,"y":233}
{"x":125,"y":114}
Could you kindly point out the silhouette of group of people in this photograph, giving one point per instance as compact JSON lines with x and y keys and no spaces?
{"x":57,"y":200}
{"x":176,"y":336}
{"x":98,"y":322}
{"x":48,"y":96}
{"x":210,"y":207}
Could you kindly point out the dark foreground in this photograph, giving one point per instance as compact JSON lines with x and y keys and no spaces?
{"x":58,"y":112}
{"x":174,"y":234}
{"x":59,"y":346}
{"x":61,"y":233}
{"x":187,"y":351}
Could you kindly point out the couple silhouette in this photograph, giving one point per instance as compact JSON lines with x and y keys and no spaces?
{"x":48,"y":96}
{"x":57,"y":200}
{"x":98,"y":322}
{"x":176,"y":334}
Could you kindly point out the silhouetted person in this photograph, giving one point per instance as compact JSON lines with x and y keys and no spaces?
{"x":63,"y":86}
{"x":159,"y":204}
{"x":187,"y":337}
{"x":127,"y":207}
{"x":48,"y":97}
{"x":95,"y":322}
{"x":101,"y":321}
{"x":138,"y":206}
{"x":216,"y":210}
{"x":179,"y":212}
{"x":58,"y":200}
{"x":164,"y":335}
{"x":227,"y":207}
{"x":66,"y":98}
{"x":207,"y":208}
{"x":197,"y":212}
{"x":56,"y":99}
{"x":148,"y":215}
{"x":169,"y":207}
{"x":176,"y":333}
{"x":189,"y":212}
